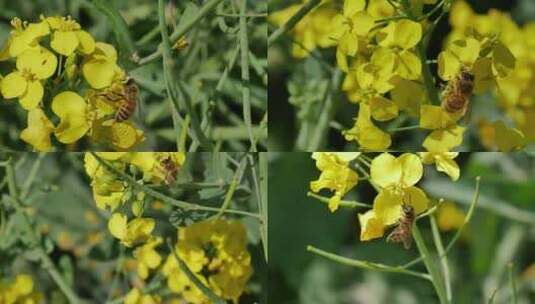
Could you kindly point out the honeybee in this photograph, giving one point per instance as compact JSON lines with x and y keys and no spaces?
{"x":170,"y":169}
{"x":125,"y":100}
{"x":402,"y":233}
{"x":458,"y":92}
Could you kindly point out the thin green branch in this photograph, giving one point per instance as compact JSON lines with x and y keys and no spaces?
{"x":365,"y":264}
{"x":263,"y":160}
{"x":238,"y":174}
{"x":343,"y":203}
{"x":246,"y":90}
{"x":443,"y":257}
{"x":290,"y":24}
{"x":430,"y":265}
{"x":512,"y":283}
{"x":31,"y":176}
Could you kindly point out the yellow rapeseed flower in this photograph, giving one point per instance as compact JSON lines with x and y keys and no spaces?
{"x":443,"y":161}
{"x":335,"y":175}
{"x":67,"y":36}
{"x":147,"y":257}
{"x":396,"y":178}
{"x":131,"y":232}
{"x":38,"y":131}
{"x":33,"y":66}
{"x":101,"y":69}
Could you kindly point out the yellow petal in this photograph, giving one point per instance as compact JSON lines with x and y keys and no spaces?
{"x":448,"y":65}
{"x":64,"y":42}
{"x":371,"y":227}
{"x":23,"y":285}
{"x":33,"y":96}
{"x":409,"y":66}
{"x":38,"y":131}
{"x":503,"y":61}
{"x":508,"y":139}
{"x":352,"y":7}
{"x":467,"y":50}
{"x":385,"y":170}
{"x":387,"y":206}
{"x":13,"y":85}
{"x":117,"y":225}
{"x":417,"y":198}
{"x":99,"y":73}
{"x":106,"y":51}
{"x":444,"y":140}
{"x":71,"y":108}
{"x":87,"y":43}
{"x":412,"y":169}
{"x":407,"y":34}
{"x":39,"y":61}
{"x":383,"y":109}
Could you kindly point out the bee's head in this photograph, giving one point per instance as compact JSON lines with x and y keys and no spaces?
{"x":407,"y":209}
{"x":467,"y":76}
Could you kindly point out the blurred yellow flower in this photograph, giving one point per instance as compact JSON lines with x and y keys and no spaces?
{"x":130,"y":233}
{"x":147,"y":257}
{"x":311,"y":31}
{"x":449,"y":216}
{"x":218,"y":246}
{"x":19,"y":290}
{"x":335,"y":175}
{"x":134,"y":296}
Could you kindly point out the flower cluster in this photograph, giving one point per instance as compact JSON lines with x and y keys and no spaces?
{"x":62,"y":78}
{"x":394,"y":178}
{"x":515,"y":84}
{"x":381,"y":48}
{"x":20,"y":290}
{"x":216,"y":252}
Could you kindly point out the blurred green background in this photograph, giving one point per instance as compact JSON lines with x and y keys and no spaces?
{"x":75,"y":232}
{"x":199,"y":67}
{"x":310,"y":78}
{"x":501,"y":231}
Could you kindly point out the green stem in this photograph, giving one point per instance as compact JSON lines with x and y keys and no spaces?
{"x":327,"y":113}
{"x":237,"y":133}
{"x":343,"y":203}
{"x":263,"y":160}
{"x":365,"y":264}
{"x":512,"y":283}
{"x":404,"y":128}
{"x":46,"y":262}
{"x":31,"y":176}
{"x":233,"y":185}
{"x":432,"y":92}
{"x":246,"y":90}
{"x":290,"y":24}
{"x":443,"y":257}
{"x":430,"y":265}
